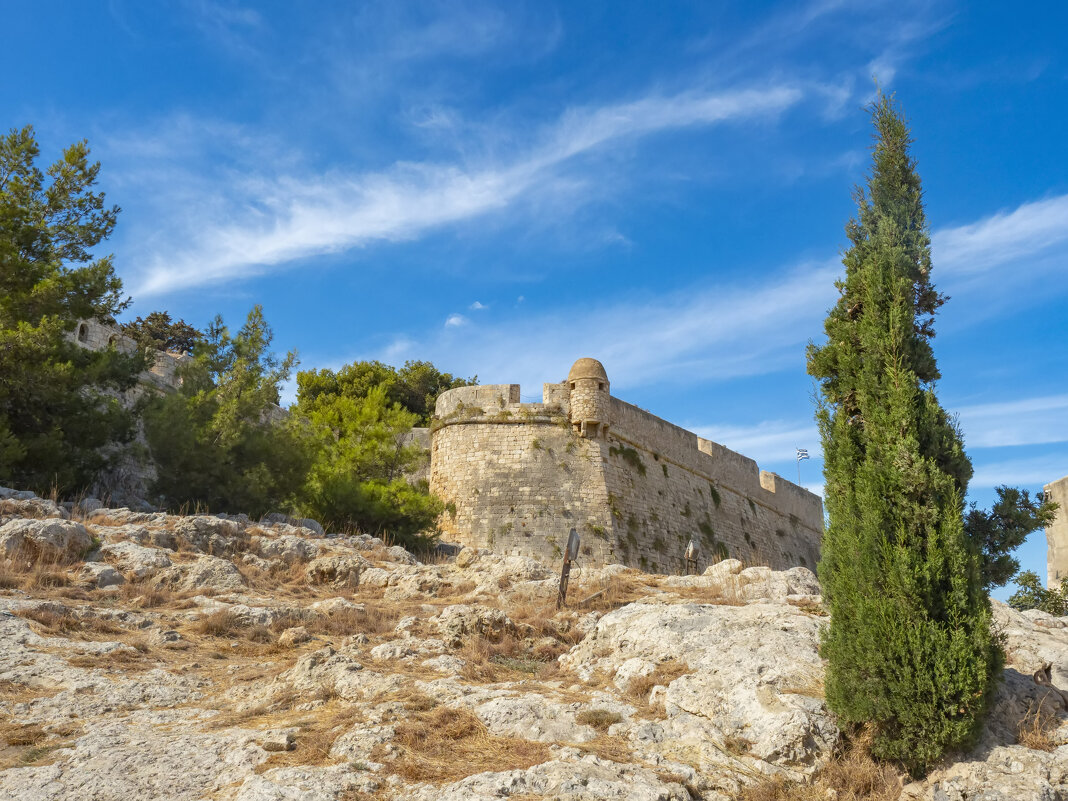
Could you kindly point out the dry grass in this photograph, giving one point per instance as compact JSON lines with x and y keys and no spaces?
{"x":849,"y":776}
{"x":613,"y":748}
{"x":617,"y":591}
{"x":316,"y":736}
{"x":29,"y":571}
{"x":22,"y":733}
{"x":66,"y":623}
{"x":143,"y":595}
{"x":21,"y":693}
{"x":373,"y":620}
{"x":1035,"y":730}
{"x":808,"y":684}
{"x":600,"y":719}
{"x":504,"y":660}
{"x":666,"y":672}
{"x":447,"y":744}
{"x":29,"y":744}
{"x":121,"y":661}
{"x":225,"y":623}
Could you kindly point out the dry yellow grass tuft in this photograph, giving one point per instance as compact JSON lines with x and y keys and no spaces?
{"x":849,"y":776}
{"x":666,"y":672}
{"x":613,"y":748}
{"x":316,"y":736}
{"x":1035,"y":729}
{"x":448,"y":744}
{"x":22,"y":733}
{"x":600,"y":719}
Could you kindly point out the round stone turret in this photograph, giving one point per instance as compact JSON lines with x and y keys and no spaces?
{"x":589,"y":389}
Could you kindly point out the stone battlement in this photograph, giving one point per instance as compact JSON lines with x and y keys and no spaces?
{"x":517,"y":476}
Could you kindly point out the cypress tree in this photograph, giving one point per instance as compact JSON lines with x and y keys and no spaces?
{"x":909,"y":646}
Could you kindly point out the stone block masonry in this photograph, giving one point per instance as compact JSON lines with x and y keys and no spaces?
{"x":516,"y":477}
{"x":1057,"y":534}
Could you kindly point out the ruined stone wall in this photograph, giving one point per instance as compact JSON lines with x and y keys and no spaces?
{"x":1057,"y":534}
{"x":162,"y":374}
{"x":518,"y":476}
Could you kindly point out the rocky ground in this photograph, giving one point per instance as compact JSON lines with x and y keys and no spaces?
{"x":145,"y":655}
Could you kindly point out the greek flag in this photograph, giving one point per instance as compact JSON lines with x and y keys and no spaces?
{"x":802,"y":453}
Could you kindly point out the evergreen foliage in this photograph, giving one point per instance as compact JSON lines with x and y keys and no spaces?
{"x":415,"y":386}
{"x":1032,"y":595}
{"x":59,"y":410}
{"x":221,"y":442}
{"x":158,"y":331}
{"x":362,"y":455}
{"x":1003,"y":529}
{"x":909,"y":646}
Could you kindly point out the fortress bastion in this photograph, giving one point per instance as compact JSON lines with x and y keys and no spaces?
{"x":516,"y":477}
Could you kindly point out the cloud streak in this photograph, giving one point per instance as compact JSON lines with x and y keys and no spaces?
{"x":280,"y":220}
{"x":1030,"y":421}
{"x":1007,"y":237}
{"x":711,"y":333}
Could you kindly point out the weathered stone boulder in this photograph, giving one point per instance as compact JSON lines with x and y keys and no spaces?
{"x":206,"y":573}
{"x":51,"y":539}
{"x":211,"y":535}
{"x":32,"y":507}
{"x":98,"y":574}
{"x":288,"y":548}
{"x":292,"y":637}
{"x":756,"y":677}
{"x":136,"y":561}
{"x":396,"y":553}
{"x":455,"y":623}
{"x":338,"y":571}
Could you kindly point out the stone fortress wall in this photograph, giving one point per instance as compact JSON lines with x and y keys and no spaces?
{"x":516,"y":477}
{"x":1057,"y":534}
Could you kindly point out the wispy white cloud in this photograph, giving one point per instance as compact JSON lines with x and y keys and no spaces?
{"x":455,"y":320}
{"x":709,"y":333}
{"x":767,"y":441}
{"x":1004,"y":238}
{"x":1029,"y":472}
{"x":476,"y":306}
{"x":1028,"y":421}
{"x":274,"y":220}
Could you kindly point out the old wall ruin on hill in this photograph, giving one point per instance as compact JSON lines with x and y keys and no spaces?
{"x":516,"y":477}
{"x":1057,"y":534}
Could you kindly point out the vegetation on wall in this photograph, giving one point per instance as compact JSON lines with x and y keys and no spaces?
{"x":630,"y":456}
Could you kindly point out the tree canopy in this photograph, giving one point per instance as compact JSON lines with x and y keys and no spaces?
{"x":415,"y":386}
{"x":59,"y":407}
{"x":909,"y":646}
{"x":220,"y":441}
{"x":158,"y":332}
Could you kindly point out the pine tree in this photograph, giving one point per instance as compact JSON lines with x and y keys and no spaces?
{"x":909,"y":646}
{"x":60,"y":416}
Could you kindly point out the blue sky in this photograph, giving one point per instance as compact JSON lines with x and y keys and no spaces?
{"x":502,"y":188}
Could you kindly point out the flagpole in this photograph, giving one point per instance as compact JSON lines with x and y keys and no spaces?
{"x":798,"y":470}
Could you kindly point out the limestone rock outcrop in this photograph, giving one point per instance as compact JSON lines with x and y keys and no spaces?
{"x":210,"y":657}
